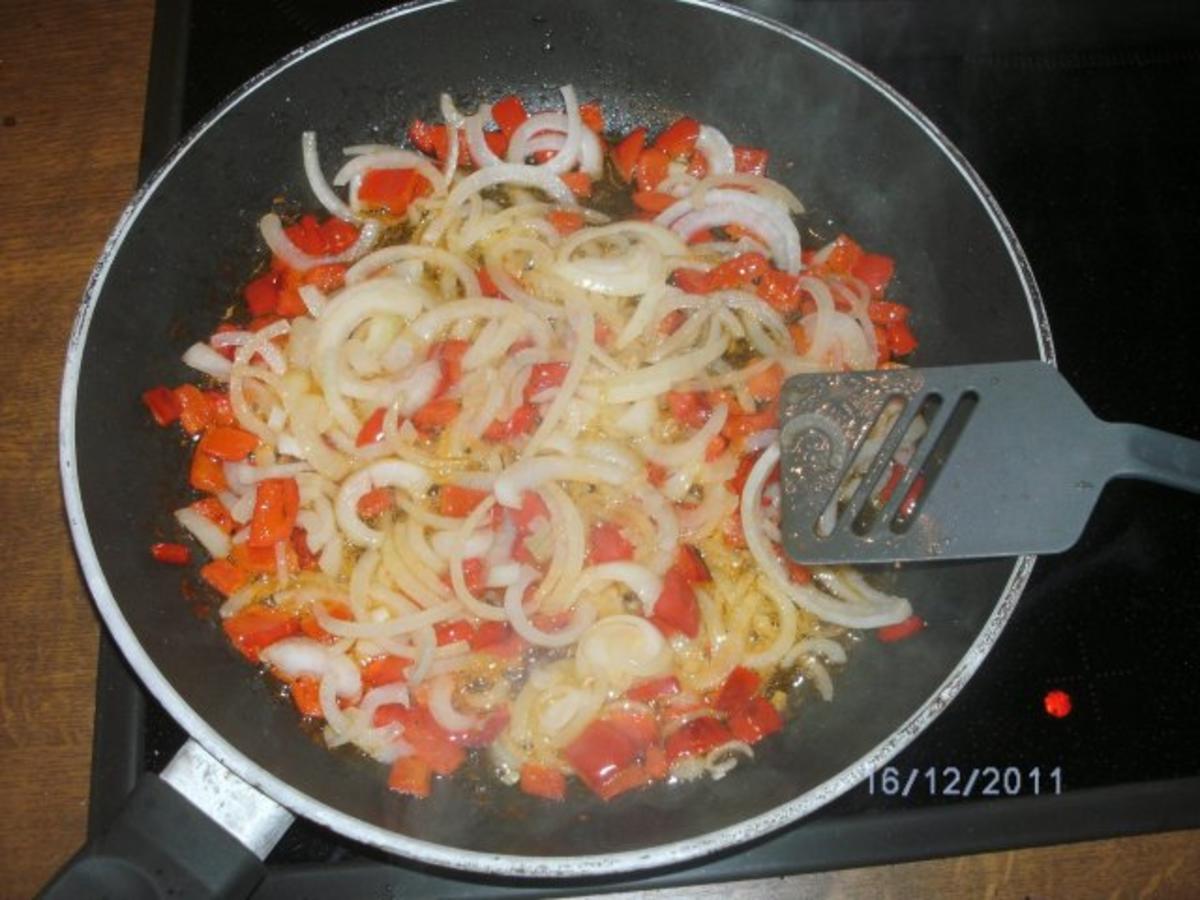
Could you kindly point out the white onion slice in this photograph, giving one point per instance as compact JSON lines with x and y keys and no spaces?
{"x":584,"y":615}
{"x":869,"y":612}
{"x":530,"y":472}
{"x":717,"y":150}
{"x":316,"y":180}
{"x":391,"y":158}
{"x":272,"y":231}
{"x":205,"y":530}
{"x":481,"y":153}
{"x":203,"y":358}
{"x":622,"y":649}
{"x":385,"y":473}
{"x":505,"y":173}
{"x":441,"y":705}
{"x":297,"y":657}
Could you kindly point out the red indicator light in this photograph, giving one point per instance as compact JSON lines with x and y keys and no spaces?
{"x":1057,"y":703}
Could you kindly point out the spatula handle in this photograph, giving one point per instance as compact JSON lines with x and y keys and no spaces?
{"x":1157,"y":456}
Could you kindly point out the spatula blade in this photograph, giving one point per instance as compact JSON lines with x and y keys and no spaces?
{"x":1012,"y":463}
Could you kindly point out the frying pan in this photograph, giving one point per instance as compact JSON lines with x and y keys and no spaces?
{"x":861,"y":158}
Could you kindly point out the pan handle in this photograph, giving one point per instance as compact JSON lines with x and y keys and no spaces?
{"x":198,"y":831}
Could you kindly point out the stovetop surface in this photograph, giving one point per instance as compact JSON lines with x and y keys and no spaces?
{"x":1075,"y":117}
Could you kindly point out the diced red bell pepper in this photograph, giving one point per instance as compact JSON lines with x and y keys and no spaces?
{"x":600,"y":752}
{"x":750,"y":160}
{"x":696,"y":738}
{"x":228,"y":443}
{"x":475,"y":574}
{"x":691,"y":281}
{"x":884,"y":312}
{"x":676,"y":609}
{"x":411,"y":775}
{"x":452,"y":631}
{"x":257,"y":627}
{"x":195,"y":412}
{"x":901,"y":630}
{"x":755,"y":721}
{"x":690,"y":564}
{"x":449,"y":355}
{"x":487,"y":286}
{"x":206,"y":473}
{"x":580,"y":184}
{"x":845,"y":255}
{"x":592,"y":116}
{"x":780,"y":290}
{"x":876,"y":270}
{"x":435,"y":414}
{"x":741,"y":269}
{"x":385,"y":670}
{"x":428,"y":739}
{"x":565,"y":221}
{"x":654,"y":688}
{"x":431,"y":140}
{"x":739,"y":687}
{"x":306,"y":236}
{"x":457,"y":501}
{"x":172,"y":554}
{"x":689,"y":408}
{"x":640,"y":727}
{"x":221,"y":407}
{"x":543,"y":781}
{"x":262,"y":294}
{"x":652,"y":201}
{"x":392,"y":189}
{"x":306,"y":694}
{"x":508,"y":113}
{"x":798,"y":572}
{"x":679,"y":138}
{"x":326,"y":279}
{"x":742,"y":425}
{"x":262,"y":559}
{"x":223,"y":575}
{"x":495,"y":637}
{"x":625,"y":154}
{"x":523,"y":421}
{"x":607,"y":543}
{"x":276,"y":503}
{"x":745,"y":464}
{"x":656,"y":474}
{"x":543,"y":376}
{"x":900,"y":339}
{"x":163,"y":405}
{"x":670,"y":323}
{"x":305,"y":558}
{"x":532,"y":508}
{"x":651,"y":168}
{"x":372,"y":429}
{"x":766,"y":384}
{"x":338,"y":235}
{"x":375,"y":502}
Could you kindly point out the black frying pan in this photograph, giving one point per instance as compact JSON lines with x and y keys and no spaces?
{"x":857,"y":154}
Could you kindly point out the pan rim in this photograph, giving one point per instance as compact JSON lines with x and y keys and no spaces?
{"x":461,"y":858}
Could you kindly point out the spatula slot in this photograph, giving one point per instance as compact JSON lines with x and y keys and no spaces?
{"x":917,"y":488}
{"x":891,"y":476}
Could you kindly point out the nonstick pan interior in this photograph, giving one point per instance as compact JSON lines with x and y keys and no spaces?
{"x":857,"y":156}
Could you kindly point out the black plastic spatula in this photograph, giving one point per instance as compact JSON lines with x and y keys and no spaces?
{"x":1011,"y":461}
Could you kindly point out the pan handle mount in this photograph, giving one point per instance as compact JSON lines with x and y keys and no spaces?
{"x":197,"y":831}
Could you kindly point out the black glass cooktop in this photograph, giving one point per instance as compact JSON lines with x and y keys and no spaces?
{"x":1077,"y":116}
